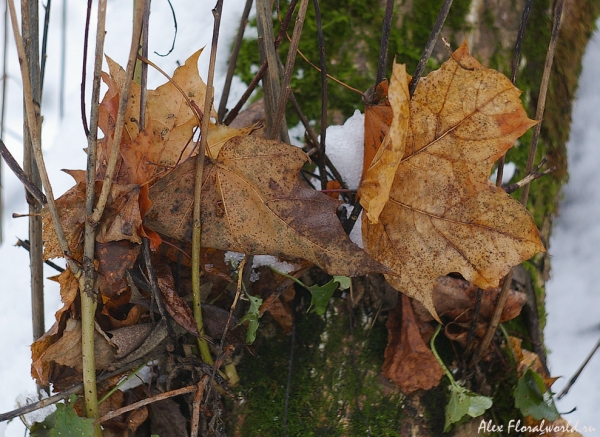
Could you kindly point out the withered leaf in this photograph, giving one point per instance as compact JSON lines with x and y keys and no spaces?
{"x":175,"y":305}
{"x":253,"y":203}
{"x":456,"y":299}
{"x":408,"y":360}
{"x":129,"y":338}
{"x":67,"y":350}
{"x":376,"y":184}
{"x":444,"y":215}
{"x":378,"y":116}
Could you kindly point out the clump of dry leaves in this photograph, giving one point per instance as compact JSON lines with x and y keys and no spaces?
{"x":430,"y":211}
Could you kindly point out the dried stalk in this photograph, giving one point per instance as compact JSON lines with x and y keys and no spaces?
{"x":323,"y":63}
{"x":197,"y":406}
{"x":196,"y":216}
{"x":287,"y":75}
{"x":539,"y":114}
{"x":30,"y":30}
{"x":37,"y":148}
{"x":573,"y":379}
{"x":31,"y":188}
{"x":3,"y":106}
{"x":261,"y":71}
{"x":235,"y":51}
{"x":513,"y":75}
{"x":123,"y":98}
{"x":268,"y":53}
{"x":385,"y":39}
{"x":88,"y":297}
{"x":433,"y":37}
{"x":147,"y":401}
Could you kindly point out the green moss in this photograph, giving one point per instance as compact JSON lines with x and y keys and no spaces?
{"x":352,"y":34}
{"x":335,"y":386}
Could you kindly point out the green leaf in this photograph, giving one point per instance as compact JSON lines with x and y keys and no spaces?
{"x":64,"y":422}
{"x":533,"y":399}
{"x":252,"y":317}
{"x":344,"y":281}
{"x":321,"y":294}
{"x":464,"y":402}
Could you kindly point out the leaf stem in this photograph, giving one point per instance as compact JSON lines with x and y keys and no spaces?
{"x":437,"y":357}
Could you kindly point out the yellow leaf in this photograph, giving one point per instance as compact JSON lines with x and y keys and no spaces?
{"x":375,"y":187}
{"x":444,"y":215}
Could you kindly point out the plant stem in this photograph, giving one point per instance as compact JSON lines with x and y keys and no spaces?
{"x":437,"y":357}
{"x":196,"y":216}
{"x":123,"y":99}
{"x":287,"y":75}
{"x":88,"y":296}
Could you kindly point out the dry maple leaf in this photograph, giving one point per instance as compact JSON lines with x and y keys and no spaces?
{"x":378,"y":116}
{"x":253,"y":203}
{"x":443,"y":214}
{"x":408,"y":360}
{"x":376,"y":184}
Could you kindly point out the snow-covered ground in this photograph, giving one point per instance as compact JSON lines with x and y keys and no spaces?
{"x":573,"y":293}
{"x":572,"y":327}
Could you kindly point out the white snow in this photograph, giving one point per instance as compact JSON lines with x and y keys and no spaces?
{"x":344,"y":147}
{"x":573,"y":293}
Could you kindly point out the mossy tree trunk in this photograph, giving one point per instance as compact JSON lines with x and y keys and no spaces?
{"x":335,"y":385}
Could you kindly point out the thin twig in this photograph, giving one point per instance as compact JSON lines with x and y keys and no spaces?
{"x":147,"y":401}
{"x":63,"y":59}
{"x":25,"y":245}
{"x":235,"y":51}
{"x":20,"y":174}
{"x":435,"y":33}
{"x":529,"y":178}
{"x":335,"y":79}
{"x":156,"y":293}
{"x":565,"y":390}
{"x":385,"y":39}
{"x":144,"y":79}
{"x":312,"y":136}
{"x":86,"y":35}
{"x":62,"y":395}
{"x":47,"y":9}
{"x":196,"y":215}
{"x":289,"y":69}
{"x":323,"y":63}
{"x":196,"y":405}
{"x":3,"y":107}
{"x":514,"y":72}
{"x":503,"y":296}
{"x":174,"y":36}
{"x":123,"y":99}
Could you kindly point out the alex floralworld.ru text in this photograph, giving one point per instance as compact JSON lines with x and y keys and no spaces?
{"x":541,"y":429}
